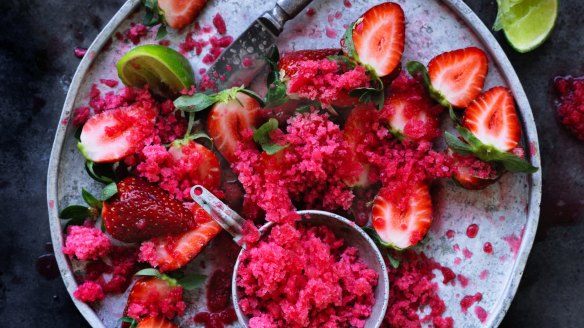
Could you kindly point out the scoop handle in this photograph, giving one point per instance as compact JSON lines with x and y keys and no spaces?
{"x":219,"y":211}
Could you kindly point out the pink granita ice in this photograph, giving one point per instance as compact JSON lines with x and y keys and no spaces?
{"x":571,"y":104}
{"x":89,"y":291}
{"x":326,"y":81}
{"x":304,"y":276}
{"x":86,"y":243}
{"x":310,"y":169}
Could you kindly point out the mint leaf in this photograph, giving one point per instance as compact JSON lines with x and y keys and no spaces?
{"x":133,"y":323}
{"x":262,"y":136}
{"x":347,"y":41}
{"x":100,"y":172}
{"x":392,"y":261}
{"x":419,"y":71}
{"x":457,"y":145}
{"x":149,"y":272}
{"x":196,"y":102}
{"x":151,"y":17}
{"x":75,"y":212}
{"x":344,"y":60}
{"x":272,"y":59}
{"x":162,"y":32}
{"x":109,"y":191}
{"x":90,"y":199}
{"x":254,"y":96}
{"x":369,"y":95}
{"x":276,"y":94}
{"x":514,"y":163}
{"x":191,"y":282}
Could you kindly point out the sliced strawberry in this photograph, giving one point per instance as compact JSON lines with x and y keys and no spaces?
{"x":155,"y":322}
{"x":459,"y":75}
{"x":154,"y":297}
{"x":357,"y":126}
{"x":402,"y":228}
{"x":472,"y":173}
{"x":171,"y":252}
{"x":492,"y":118}
{"x":411,"y":117}
{"x":289,"y":63}
{"x":195,"y":164}
{"x":228,"y":119}
{"x":112,"y":135}
{"x":379,"y":37}
{"x":180,"y":13}
{"x":141,"y":211}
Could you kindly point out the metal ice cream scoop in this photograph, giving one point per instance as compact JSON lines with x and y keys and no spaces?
{"x":340,"y":226}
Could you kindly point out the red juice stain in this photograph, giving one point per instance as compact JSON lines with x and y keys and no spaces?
{"x":456,"y":248}
{"x":484,"y":274}
{"x":514,"y":242}
{"x":457,"y":261}
{"x":46,"y":266}
{"x":79,"y":52}
{"x":310,"y":12}
{"x":472,"y":231}
{"x":488,"y":248}
{"x":502,"y":218}
{"x":330,"y":33}
{"x":247,"y":62}
{"x":463,"y":280}
{"x":219,"y":24}
{"x":347,"y":4}
{"x":331,"y":18}
{"x":338,"y":15}
{"x":218,"y":302}
{"x":450,"y":234}
{"x":481,"y":314}
{"x":165,"y":43}
{"x":467,"y":301}
{"x":448,"y":274}
{"x":467,"y":253}
{"x":51,"y":203}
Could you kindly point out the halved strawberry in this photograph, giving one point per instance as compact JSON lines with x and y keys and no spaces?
{"x":228,"y":118}
{"x":141,"y":211}
{"x":379,"y":37}
{"x":112,"y":135}
{"x":289,"y":63}
{"x":171,"y":252}
{"x":492,"y":118}
{"x":180,"y":13}
{"x":357,"y":127}
{"x":195,"y":164}
{"x":154,"y":297}
{"x":402,"y":228}
{"x":459,"y":75}
{"x":472,"y":173}
{"x":156,"y":322}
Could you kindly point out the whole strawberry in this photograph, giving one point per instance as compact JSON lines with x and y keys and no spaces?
{"x":141,"y":211}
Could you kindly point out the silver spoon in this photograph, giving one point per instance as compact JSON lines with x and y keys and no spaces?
{"x":340,"y":226}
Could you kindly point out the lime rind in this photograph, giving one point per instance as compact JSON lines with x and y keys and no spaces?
{"x":526,"y":23}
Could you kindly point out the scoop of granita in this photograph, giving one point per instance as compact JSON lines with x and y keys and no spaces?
{"x":304,"y":277}
{"x":571,"y":104}
{"x":89,"y":291}
{"x":310,"y":169}
{"x":325,"y":80}
{"x":152,"y":297}
{"x":86,"y":243}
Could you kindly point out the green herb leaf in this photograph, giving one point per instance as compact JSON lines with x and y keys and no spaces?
{"x":109,"y":191}
{"x":199,"y":135}
{"x":369,"y":95}
{"x":514,"y":163}
{"x":78,"y":133}
{"x":373,"y":234}
{"x":149,"y":272}
{"x":254,"y":96}
{"x":392,"y":261}
{"x":418,"y":70}
{"x":191,"y":282}
{"x":103,"y":173}
{"x":162,"y":32}
{"x":308,"y":107}
{"x":262,"y":137}
{"x":272,"y":59}
{"x":151,"y":17}
{"x":75,"y":212}
{"x":344,"y":60}
{"x":475,"y":143}
{"x":90,"y":199}
{"x":196,"y":102}
{"x":276,"y":94}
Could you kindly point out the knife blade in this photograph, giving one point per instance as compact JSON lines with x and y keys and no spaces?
{"x":241,"y":61}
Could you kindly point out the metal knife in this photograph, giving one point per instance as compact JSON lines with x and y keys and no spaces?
{"x":239,"y":63}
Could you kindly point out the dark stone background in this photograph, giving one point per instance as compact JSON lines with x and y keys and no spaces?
{"x":37,"y":38}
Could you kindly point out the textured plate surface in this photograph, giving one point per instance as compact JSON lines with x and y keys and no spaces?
{"x":506,"y":212}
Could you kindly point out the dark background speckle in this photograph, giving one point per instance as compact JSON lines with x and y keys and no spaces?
{"x":37,"y":39}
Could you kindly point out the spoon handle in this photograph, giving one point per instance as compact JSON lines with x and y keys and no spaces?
{"x":219,"y":211}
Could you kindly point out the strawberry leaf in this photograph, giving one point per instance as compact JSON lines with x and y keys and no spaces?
{"x":308,"y":107}
{"x":457,"y":145}
{"x":149,"y":272}
{"x":196,"y":102}
{"x":254,"y":96}
{"x":262,"y":136}
{"x":392,"y":261}
{"x":272,"y":59}
{"x":373,"y":234}
{"x":514,"y":163}
{"x":151,"y":17}
{"x":133,"y":323}
{"x":369,"y":95}
{"x":75,"y":212}
{"x":109,"y":191}
{"x":276,"y":94}
{"x":343,"y":60}
{"x":162,"y":32}
{"x":90,"y":199}
{"x":100,"y":172}
{"x":191,"y":282}
{"x":347,"y":42}
{"x":418,"y":70}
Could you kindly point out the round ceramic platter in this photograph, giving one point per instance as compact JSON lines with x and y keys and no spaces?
{"x":506,"y":212}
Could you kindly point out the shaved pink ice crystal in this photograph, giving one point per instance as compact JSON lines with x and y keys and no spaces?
{"x":311,"y":169}
{"x":305,"y":277}
{"x":325,"y":80}
{"x":86,"y":243}
{"x":89,"y":291}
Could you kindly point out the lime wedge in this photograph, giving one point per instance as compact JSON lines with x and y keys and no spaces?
{"x":166,"y":71}
{"x":526,"y":23}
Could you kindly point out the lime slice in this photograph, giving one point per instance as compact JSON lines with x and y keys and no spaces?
{"x":166,"y":71}
{"x":526,"y":23}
